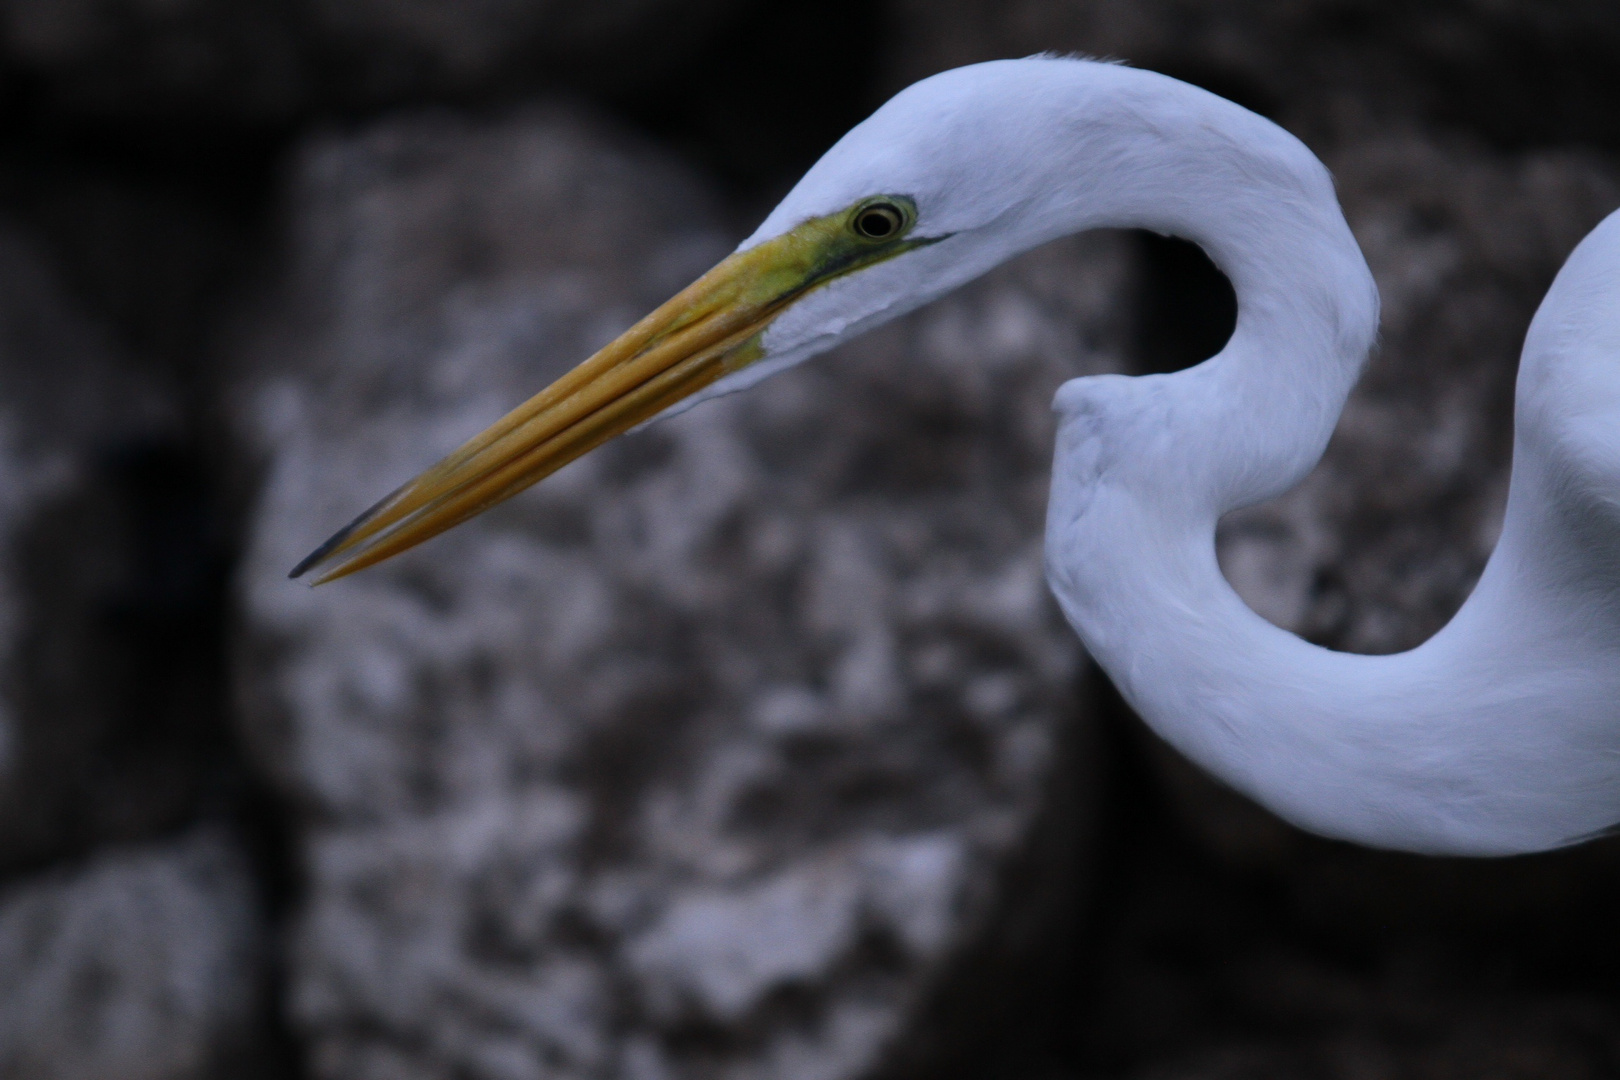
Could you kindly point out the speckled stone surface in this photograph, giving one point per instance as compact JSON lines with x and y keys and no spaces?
{"x":713,"y":754}
{"x":142,"y":964}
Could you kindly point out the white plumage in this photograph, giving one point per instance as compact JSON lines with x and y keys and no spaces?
{"x":1500,"y":734}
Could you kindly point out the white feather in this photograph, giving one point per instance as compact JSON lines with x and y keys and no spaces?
{"x":1501,"y":734}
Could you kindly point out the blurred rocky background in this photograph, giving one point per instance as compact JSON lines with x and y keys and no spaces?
{"x":751,"y":746}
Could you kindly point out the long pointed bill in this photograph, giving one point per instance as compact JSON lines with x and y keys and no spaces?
{"x":710,"y":329}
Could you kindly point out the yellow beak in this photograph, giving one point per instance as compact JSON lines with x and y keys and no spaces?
{"x":710,"y":329}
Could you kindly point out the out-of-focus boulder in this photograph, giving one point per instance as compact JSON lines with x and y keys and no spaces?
{"x":99,"y":730}
{"x":717,"y":751}
{"x":140,"y":965}
{"x":266,"y":61}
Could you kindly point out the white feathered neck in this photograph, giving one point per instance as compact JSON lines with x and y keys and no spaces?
{"x":1501,"y":734}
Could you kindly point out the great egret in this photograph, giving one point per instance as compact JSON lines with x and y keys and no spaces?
{"x":1500,"y":734}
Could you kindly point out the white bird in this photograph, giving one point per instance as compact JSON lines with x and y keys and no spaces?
{"x":1500,"y":734}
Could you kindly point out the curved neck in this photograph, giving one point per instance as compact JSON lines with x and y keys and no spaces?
{"x":1158,"y":154}
{"x":1427,"y":750}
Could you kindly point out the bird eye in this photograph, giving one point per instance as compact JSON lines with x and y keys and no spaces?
{"x":879,"y":221}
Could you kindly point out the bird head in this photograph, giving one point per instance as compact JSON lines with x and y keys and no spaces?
{"x":929,"y":192}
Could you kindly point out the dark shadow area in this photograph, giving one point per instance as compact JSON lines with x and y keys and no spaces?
{"x":151,"y":228}
{"x":1006,"y":1011}
{"x":757,"y":104}
{"x":1226,"y":943}
{"x":1517,"y":76}
{"x":1184,"y":307}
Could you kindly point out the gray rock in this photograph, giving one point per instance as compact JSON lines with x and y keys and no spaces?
{"x":82,"y":759}
{"x":140,"y":965}
{"x":718,"y":751}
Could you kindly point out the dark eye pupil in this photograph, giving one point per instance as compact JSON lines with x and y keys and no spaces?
{"x":876,"y":222}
